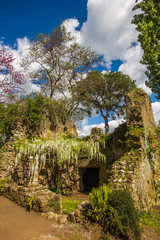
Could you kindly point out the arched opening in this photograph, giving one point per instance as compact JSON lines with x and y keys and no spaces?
{"x":90,"y":178}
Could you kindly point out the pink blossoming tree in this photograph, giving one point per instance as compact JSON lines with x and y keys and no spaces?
{"x":10,"y":80}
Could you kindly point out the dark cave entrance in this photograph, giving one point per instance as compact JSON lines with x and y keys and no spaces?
{"x":90,"y":178}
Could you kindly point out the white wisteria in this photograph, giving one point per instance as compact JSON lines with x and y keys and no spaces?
{"x":62,"y":151}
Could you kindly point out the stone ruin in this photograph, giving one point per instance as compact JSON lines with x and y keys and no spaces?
{"x":127,"y":158}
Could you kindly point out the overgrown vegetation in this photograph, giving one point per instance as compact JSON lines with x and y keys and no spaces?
{"x":147,"y":22}
{"x":151,"y":219}
{"x":63,"y":151}
{"x":115,"y":211}
{"x":29,"y":113}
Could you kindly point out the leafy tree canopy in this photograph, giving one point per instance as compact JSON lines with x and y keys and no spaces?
{"x":105,"y":93}
{"x":148,"y":24}
{"x":62,"y":61}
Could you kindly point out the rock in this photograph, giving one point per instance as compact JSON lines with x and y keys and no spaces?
{"x":77,"y":213}
{"x":83,"y":205}
{"x":62,"y":219}
{"x":51,"y":215}
{"x":71,"y":217}
{"x":96,"y":133}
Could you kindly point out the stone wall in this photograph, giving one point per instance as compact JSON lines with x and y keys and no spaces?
{"x":139,"y":168}
{"x":38,"y":198}
{"x":47,"y":130}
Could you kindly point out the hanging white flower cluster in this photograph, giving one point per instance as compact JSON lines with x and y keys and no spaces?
{"x":62,"y":150}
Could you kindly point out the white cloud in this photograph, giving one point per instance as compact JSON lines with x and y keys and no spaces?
{"x":71,"y":25}
{"x":156,"y":111}
{"x":86,"y":129}
{"x":134,"y":68}
{"x":108,"y":28}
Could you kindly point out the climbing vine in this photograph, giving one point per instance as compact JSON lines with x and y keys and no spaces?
{"x":63,"y":151}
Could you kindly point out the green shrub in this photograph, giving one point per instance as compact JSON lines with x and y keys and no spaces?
{"x":99,"y":210}
{"x":99,"y":196}
{"x":2,"y":189}
{"x":126,"y":219}
{"x":31,"y":201}
{"x":56,"y":190}
{"x":115,"y":211}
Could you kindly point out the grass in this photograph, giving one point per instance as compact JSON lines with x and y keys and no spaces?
{"x":69,"y":205}
{"x":152,"y":219}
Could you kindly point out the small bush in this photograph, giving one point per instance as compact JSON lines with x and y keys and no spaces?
{"x":2,"y":189}
{"x":115,"y":211}
{"x":126,"y":220}
{"x":31,"y":201}
{"x":98,"y":197}
{"x":99,"y":210}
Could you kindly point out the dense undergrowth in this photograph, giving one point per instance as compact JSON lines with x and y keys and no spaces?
{"x":29,"y":113}
{"x":115,"y":211}
{"x":151,"y":219}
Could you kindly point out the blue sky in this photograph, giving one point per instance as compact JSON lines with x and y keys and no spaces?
{"x":104,"y":25}
{"x":20,"y":18}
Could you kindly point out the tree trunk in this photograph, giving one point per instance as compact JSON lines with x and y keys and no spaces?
{"x":106,"y":124}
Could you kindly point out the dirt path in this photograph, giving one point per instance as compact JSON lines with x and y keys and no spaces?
{"x":18,"y":224}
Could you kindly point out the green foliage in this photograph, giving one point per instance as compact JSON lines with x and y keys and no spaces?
{"x":115,"y":211}
{"x":132,"y":136}
{"x":2,"y":189}
{"x":56,"y":205}
{"x":36,"y":109}
{"x":30,"y":202}
{"x":58,"y":190}
{"x":29,"y":113}
{"x":69,"y":205}
{"x":99,"y":196}
{"x":8,"y":118}
{"x":148,"y":24}
{"x":135,"y":131}
{"x":99,"y":210}
{"x":152,"y":142}
{"x":151,"y":219}
{"x":127,"y":214}
{"x":105,"y":94}
{"x":32,"y":112}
